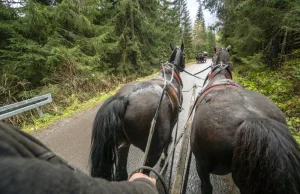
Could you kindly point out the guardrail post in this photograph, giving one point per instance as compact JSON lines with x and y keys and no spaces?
{"x":40,"y":112}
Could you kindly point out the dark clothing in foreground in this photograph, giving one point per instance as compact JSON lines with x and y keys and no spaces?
{"x":29,"y":167}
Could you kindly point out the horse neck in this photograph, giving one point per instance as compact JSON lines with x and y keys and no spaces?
{"x":219,"y":76}
{"x":169,"y":77}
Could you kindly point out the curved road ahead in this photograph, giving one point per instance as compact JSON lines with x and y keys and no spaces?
{"x":70,"y":138}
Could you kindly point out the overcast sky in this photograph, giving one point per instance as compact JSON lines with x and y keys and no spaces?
{"x":193,"y":7}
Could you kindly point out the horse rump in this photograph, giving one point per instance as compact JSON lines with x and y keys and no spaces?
{"x":107,"y":125}
{"x":266,"y":158}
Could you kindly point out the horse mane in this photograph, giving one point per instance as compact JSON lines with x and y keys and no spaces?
{"x":181,"y":62}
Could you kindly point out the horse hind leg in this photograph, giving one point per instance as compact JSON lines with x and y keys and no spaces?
{"x":165,"y":152}
{"x":155,"y":152}
{"x":203,"y":172}
{"x":121,"y":165}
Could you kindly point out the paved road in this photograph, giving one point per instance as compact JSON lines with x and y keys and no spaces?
{"x":70,"y":138}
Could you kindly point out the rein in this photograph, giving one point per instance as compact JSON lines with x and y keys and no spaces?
{"x":193,"y":107}
{"x":188,"y":72}
{"x":204,"y":89}
{"x":153,"y":123}
{"x":211,"y":75}
{"x":202,"y":70}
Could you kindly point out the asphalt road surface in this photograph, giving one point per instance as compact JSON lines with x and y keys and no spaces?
{"x":70,"y":138}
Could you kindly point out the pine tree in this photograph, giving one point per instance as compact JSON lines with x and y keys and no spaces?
{"x":71,"y":47}
{"x":200,"y":16}
{"x":211,"y":41}
{"x":185,"y":26}
{"x":251,"y":32}
{"x":199,"y":32}
{"x":199,"y":38}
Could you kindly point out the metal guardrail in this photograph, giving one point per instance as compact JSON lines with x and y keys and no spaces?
{"x":19,"y":107}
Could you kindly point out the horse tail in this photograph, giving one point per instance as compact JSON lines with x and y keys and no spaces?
{"x":107,"y":125}
{"x":266,"y":158}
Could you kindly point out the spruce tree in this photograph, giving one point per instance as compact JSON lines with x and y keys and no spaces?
{"x":255,"y":26}
{"x":200,"y":16}
{"x":71,"y":47}
{"x":199,"y":32}
{"x":185,"y":26}
{"x":210,"y":41}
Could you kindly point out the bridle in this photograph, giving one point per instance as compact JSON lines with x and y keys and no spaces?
{"x":175,"y":68}
{"x":215,"y":70}
{"x":175,"y":73}
{"x":181,"y":65}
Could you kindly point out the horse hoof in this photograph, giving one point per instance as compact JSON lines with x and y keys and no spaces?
{"x":162,"y":163}
{"x":163,"y":159}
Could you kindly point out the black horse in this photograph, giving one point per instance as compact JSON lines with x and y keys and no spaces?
{"x":125,"y":119}
{"x":243,"y":132}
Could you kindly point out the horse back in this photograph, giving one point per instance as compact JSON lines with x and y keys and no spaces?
{"x":143,"y":99}
{"x":237,"y":103}
{"x":218,"y":115}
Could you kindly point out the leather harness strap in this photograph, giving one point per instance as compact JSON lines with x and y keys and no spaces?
{"x":173,"y":98}
{"x":172,"y":92}
{"x":178,"y":79}
{"x":222,"y":82}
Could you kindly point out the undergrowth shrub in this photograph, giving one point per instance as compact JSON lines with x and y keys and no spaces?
{"x":282,"y":86}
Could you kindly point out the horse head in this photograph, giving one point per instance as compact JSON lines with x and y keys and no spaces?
{"x":221,"y":56}
{"x":178,"y":57}
{"x":220,"y":64}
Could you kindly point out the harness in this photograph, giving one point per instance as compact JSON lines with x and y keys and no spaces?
{"x":165,"y":86}
{"x":223,"y":82}
{"x":178,"y":79}
{"x":173,"y":93}
{"x":175,"y":75}
{"x":216,"y":70}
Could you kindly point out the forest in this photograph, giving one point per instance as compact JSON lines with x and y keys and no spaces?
{"x":265,"y":39}
{"x":79,"y":49}
{"x":76,"y":49}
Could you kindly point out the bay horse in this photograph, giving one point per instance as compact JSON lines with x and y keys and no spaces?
{"x":243,"y":132}
{"x":125,"y":119}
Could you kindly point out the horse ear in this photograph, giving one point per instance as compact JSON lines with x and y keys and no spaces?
{"x":228,"y":48}
{"x":172,"y":46}
{"x":215,"y":48}
{"x":182,"y":46}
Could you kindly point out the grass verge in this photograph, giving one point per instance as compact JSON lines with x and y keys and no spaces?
{"x":48,"y":119}
{"x":76,"y":107}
